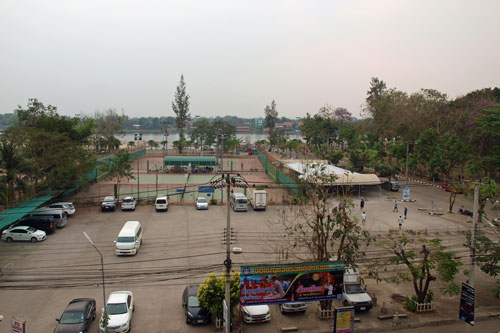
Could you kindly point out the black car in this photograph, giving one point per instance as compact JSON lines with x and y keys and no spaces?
{"x":77,"y":317}
{"x":45,"y":223}
{"x":195,"y":314}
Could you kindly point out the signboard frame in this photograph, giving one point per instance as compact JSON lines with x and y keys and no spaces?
{"x":17,"y":325}
{"x":205,"y":189}
{"x":467,"y":301}
{"x":343,"y":321}
{"x":406,"y":193}
{"x":286,"y":283}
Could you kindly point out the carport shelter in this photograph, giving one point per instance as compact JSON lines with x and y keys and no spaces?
{"x":203,"y":161}
{"x":9,"y":216}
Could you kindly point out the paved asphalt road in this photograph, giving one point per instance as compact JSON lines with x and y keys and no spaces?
{"x":180,"y":247}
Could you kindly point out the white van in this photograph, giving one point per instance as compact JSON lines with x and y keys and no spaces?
{"x":129,"y":239}
{"x":161,"y":203}
{"x":238,"y":202}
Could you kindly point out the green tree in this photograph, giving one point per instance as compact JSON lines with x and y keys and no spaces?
{"x":108,"y":124}
{"x":54,"y":146}
{"x":120,"y":168}
{"x":271,"y":116}
{"x":211,"y":293}
{"x":424,"y":260}
{"x":180,"y":105}
{"x":203,"y":135}
{"x":181,"y":144}
{"x":12,"y":167}
{"x":319,"y":232}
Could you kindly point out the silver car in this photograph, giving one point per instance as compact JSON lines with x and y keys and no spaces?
{"x":293,"y":307}
{"x":201,"y":203}
{"x":68,"y":207}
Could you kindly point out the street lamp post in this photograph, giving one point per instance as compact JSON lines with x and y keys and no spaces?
{"x":102,"y":273}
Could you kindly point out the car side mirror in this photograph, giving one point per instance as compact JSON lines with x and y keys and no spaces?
{"x":57,"y":319}
{"x":114,"y":242}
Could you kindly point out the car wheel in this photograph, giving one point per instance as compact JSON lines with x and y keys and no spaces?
{"x":281,"y":310}
{"x":9,"y":240}
{"x":33,"y":239}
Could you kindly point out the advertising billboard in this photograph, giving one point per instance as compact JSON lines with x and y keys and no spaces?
{"x":303,"y":282}
{"x":344,"y":320}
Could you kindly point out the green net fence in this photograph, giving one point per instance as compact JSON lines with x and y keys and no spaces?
{"x":276,"y":175}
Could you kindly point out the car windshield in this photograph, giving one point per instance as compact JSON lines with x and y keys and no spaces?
{"x":127,"y":200}
{"x":72,"y":317}
{"x":125,"y":240}
{"x":243,"y":201}
{"x":116,"y":309}
{"x":354,"y":289}
{"x":108,"y":199}
{"x":202,"y":200}
{"x":160,"y":202}
{"x":31,"y":229}
{"x":193,"y":302}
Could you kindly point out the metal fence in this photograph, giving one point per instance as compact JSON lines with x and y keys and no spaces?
{"x":276,"y":175}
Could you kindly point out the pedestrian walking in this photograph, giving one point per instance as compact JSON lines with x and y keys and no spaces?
{"x":395,"y":206}
{"x":406,"y":212}
{"x":363,"y":218}
{"x":362,"y":203}
{"x":400,"y":222}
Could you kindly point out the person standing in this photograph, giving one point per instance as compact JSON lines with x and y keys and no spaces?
{"x":406,"y":212}
{"x":400,"y":221}
{"x":362,"y":203}
{"x":395,"y":206}
{"x":363,"y":218}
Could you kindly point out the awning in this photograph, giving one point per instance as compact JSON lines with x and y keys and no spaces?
{"x":186,"y":160}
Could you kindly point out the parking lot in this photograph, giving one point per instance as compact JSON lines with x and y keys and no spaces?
{"x":181,"y":247}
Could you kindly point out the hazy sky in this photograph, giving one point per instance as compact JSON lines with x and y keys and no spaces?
{"x":237,"y":56}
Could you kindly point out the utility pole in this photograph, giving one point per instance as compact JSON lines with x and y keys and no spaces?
{"x":227,"y":263}
{"x":138,"y":179}
{"x":433,"y":187}
{"x":225,"y":181}
{"x":407,"y":151}
{"x":475,"y":219}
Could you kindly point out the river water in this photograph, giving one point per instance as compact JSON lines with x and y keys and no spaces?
{"x":159,"y":137}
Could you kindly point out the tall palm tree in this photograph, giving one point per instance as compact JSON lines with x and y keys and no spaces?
{"x":12,"y":166}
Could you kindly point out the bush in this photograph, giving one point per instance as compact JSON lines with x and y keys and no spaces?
{"x":213,"y":201}
{"x":496,"y":290}
{"x":410,"y":303}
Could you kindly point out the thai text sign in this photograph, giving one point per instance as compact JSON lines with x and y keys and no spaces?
{"x":17,"y":325}
{"x":304,"y":282}
{"x":344,"y":320}
{"x":467,"y":300}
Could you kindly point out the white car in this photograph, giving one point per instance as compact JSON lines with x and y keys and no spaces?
{"x":201,"y":203}
{"x":161,"y":203}
{"x":68,"y":207}
{"x":255,"y":313}
{"x":128,"y":203}
{"x":119,"y":308}
{"x":23,"y":233}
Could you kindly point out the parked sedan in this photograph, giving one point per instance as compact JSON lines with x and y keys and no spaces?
{"x":128,"y":203}
{"x":77,"y":317}
{"x":68,"y":207}
{"x":496,"y":221}
{"x":23,"y":233}
{"x":201,"y":203}
{"x":255,"y":313}
{"x":195,"y":313}
{"x":119,"y":307}
{"x":293,"y":307}
{"x":109,"y":203}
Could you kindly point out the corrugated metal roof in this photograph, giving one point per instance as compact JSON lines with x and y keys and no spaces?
{"x":343,"y":176}
{"x":194,"y":160}
{"x":11,"y":215}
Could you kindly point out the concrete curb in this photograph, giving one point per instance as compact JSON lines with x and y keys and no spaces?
{"x":404,"y":326}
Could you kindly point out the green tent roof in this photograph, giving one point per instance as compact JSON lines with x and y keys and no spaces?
{"x":194,"y":160}
{"x":11,"y":215}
